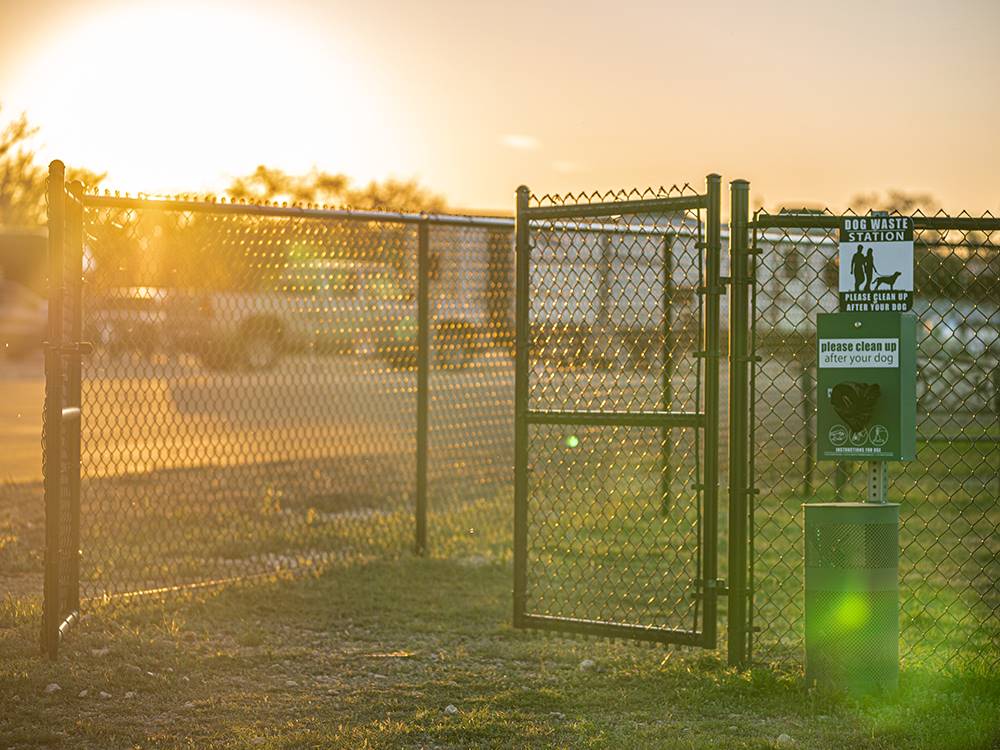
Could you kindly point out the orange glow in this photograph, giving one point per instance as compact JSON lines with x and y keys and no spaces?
{"x":813,"y":106}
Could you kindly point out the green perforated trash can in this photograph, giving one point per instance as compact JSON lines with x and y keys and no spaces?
{"x":852,"y":595}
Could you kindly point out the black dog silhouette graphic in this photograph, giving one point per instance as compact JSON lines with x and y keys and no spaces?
{"x":889,"y":280}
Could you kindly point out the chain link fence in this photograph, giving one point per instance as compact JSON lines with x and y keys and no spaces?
{"x":950,"y":511}
{"x":272,"y":389}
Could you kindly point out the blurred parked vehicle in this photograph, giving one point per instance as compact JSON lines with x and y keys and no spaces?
{"x":128,"y":320}
{"x":314,"y":305}
{"x":23,"y":319}
{"x":959,"y":335}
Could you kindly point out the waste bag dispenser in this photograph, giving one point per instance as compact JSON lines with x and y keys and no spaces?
{"x":866,"y":410}
{"x":867,"y":383}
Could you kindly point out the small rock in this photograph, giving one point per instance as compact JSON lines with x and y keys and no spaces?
{"x":104,"y":696}
{"x":587,"y":664}
{"x":185,"y":678}
{"x":189,"y":704}
{"x":450,"y":710}
{"x":733,"y":729}
{"x":83,"y":694}
{"x":132,"y":668}
{"x":150,"y":674}
{"x":104,"y":651}
{"x":170,"y":669}
{"x":377,"y":676}
{"x":557,"y":715}
{"x":784,"y":740}
{"x":130,"y":694}
{"x":291,"y":683}
{"x":52,"y":687}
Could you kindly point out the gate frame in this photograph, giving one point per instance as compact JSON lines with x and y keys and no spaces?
{"x":708,"y":419}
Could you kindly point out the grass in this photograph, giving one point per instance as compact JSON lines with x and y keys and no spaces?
{"x":371,"y":655}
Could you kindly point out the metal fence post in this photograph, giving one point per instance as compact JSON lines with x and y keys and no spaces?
{"x":52,"y":457}
{"x":740,"y":416}
{"x":423,"y":380}
{"x":523,"y":344}
{"x":74,"y":256}
{"x":667,"y":370}
{"x":713,"y":357}
{"x":808,"y":407}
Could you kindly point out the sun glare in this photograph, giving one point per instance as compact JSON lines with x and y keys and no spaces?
{"x":156,"y":94}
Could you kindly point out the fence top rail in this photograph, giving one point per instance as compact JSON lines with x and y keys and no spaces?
{"x":614,"y":208}
{"x":828,"y":221}
{"x":296,"y":212}
{"x":346,"y":214}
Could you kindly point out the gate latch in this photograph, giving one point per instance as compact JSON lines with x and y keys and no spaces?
{"x":718,"y":586}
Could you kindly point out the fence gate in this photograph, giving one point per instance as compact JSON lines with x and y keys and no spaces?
{"x":617,"y":414}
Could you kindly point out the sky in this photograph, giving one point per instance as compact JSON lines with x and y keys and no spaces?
{"x":812,"y":102}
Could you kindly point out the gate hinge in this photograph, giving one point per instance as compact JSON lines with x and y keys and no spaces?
{"x":84,"y":348}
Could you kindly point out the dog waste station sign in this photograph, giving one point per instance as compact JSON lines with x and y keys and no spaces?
{"x":876,"y":263}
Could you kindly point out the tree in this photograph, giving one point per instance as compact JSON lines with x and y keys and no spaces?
{"x":895,"y":200}
{"x":22,"y":181}
{"x":270,"y":184}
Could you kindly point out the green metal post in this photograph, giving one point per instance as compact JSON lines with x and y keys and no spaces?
{"x":73,"y":427}
{"x":713,"y":355}
{"x":740,"y":417}
{"x":808,"y":407}
{"x":523,"y":344}
{"x":423,"y":380}
{"x":667,"y":370}
{"x":53,"y":409}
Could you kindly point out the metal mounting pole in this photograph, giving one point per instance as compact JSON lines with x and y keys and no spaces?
{"x":878,"y":481}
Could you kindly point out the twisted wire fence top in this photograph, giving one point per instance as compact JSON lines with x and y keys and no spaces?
{"x":611,"y":196}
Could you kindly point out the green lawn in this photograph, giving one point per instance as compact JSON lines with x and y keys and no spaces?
{"x":372,"y":655}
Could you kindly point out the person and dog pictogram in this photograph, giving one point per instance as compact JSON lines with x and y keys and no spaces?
{"x":865,"y":274}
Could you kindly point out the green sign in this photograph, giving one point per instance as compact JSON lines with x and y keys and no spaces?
{"x":866,"y":381}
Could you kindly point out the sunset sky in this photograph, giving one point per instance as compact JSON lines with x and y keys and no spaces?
{"x":812,"y":103}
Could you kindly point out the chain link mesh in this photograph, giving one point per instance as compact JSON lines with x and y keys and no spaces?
{"x":250,"y":403}
{"x":615,"y":319}
{"x":949,"y":515}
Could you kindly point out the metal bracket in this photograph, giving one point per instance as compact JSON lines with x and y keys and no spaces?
{"x":83,"y":348}
{"x":878,"y":481}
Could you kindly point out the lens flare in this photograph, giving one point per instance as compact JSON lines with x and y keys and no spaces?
{"x":852,"y":612}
